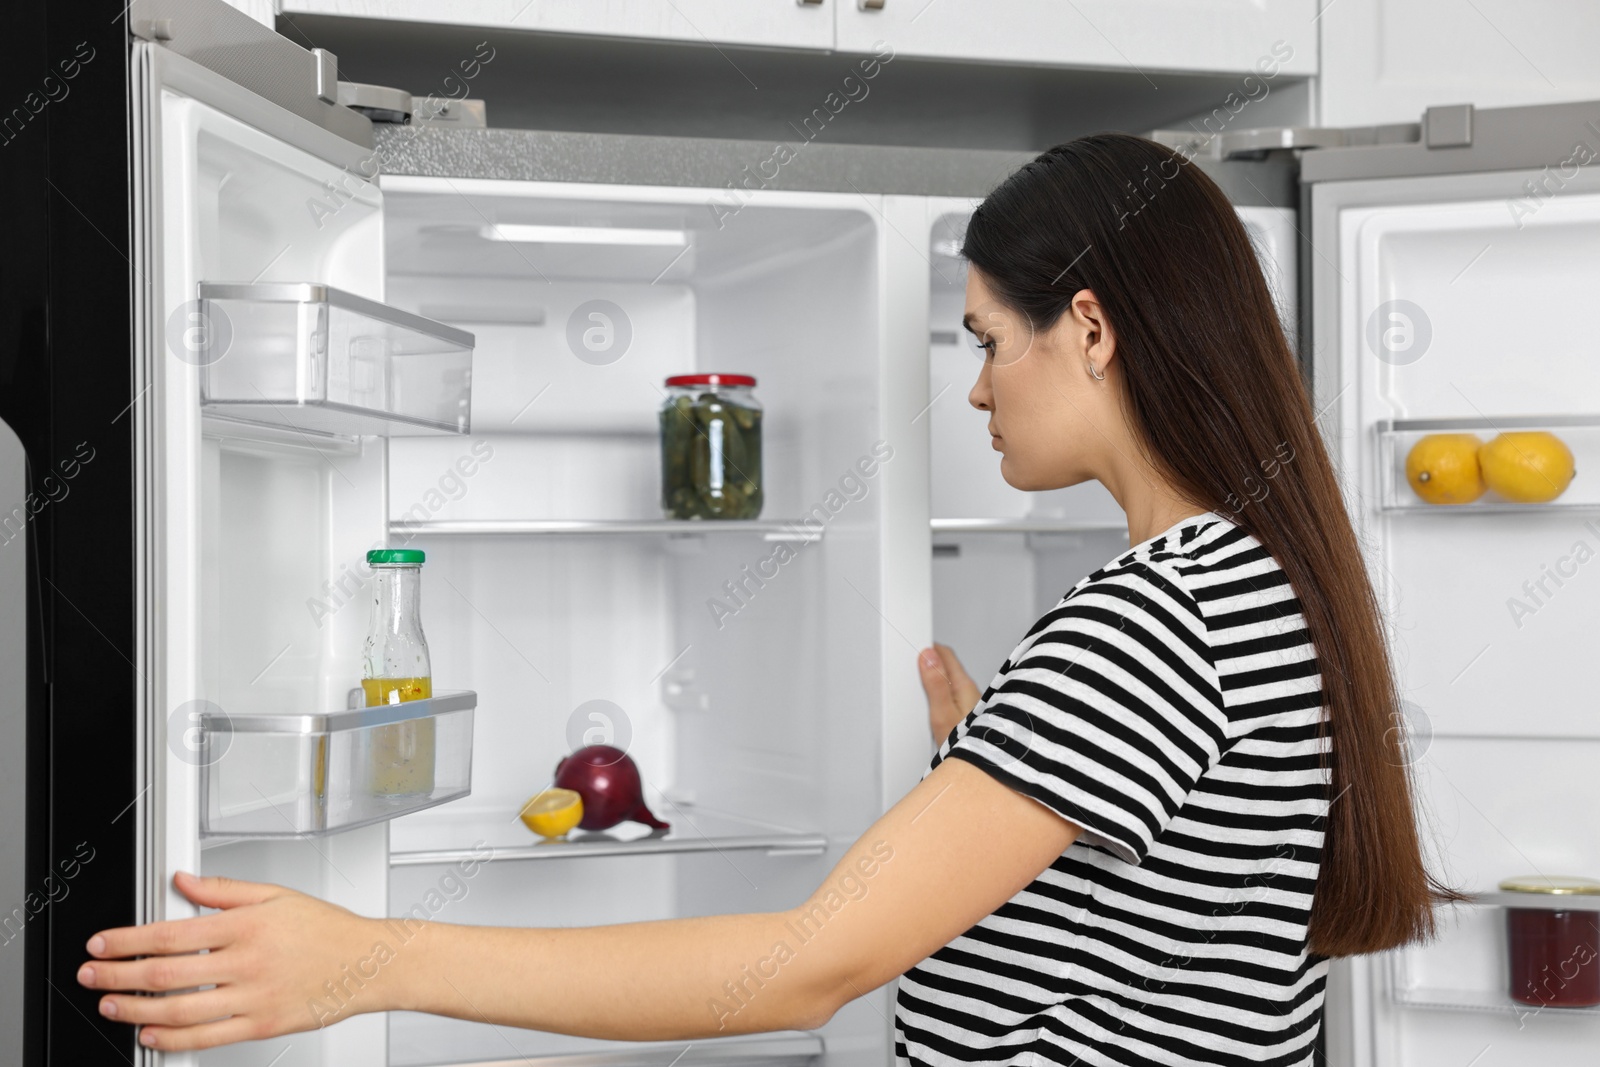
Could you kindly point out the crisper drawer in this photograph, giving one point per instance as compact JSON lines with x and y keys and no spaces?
{"x":308,"y":775}
{"x":310,"y":357}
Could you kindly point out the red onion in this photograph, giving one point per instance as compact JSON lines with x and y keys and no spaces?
{"x":609,"y":783}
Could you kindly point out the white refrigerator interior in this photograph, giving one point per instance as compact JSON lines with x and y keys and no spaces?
{"x":1443,"y":314}
{"x":741,"y":665}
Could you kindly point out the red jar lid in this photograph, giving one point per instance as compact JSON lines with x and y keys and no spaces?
{"x":711,"y":379}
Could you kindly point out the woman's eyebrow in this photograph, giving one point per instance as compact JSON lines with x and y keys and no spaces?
{"x":966,"y":322}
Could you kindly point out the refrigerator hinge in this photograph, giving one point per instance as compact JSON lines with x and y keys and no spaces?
{"x":1257,"y":143}
{"x":1253,"y":144}
{"x":1448,"y":126}
{"x":153,"y":29}
{"x":326,"y":66}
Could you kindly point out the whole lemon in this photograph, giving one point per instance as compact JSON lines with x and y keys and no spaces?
{"x":1443,"y":468}
{"x":553,"y":813}
{"x":1529,"y":466}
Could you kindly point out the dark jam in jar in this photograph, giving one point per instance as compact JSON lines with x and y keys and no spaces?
{"x":1554,"y":952}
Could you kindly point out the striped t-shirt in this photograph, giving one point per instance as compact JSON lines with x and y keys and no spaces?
{"x":1169,"y":706}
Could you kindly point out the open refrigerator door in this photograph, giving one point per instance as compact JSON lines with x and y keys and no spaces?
{"x":268,"y":376}
{"x":1451,"y":298}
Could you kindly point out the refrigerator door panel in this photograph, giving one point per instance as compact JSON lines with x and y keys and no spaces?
{"x":1458,"y":302}
{"x":243,"y":532}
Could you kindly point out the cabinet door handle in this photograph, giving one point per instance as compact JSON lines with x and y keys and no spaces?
{"x":809,"y":3}
{"x":870,"y":5}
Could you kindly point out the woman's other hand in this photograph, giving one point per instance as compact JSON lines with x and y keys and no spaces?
{"x":951,"y":694}
{"x":270,"y":956}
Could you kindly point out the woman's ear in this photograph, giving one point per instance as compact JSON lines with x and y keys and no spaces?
{"x":1099,"y":342}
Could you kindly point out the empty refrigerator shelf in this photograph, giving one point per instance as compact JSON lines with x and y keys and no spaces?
{"x":768,"y":529}
{"x":1026,"y":525}
{"x":456,"y":838}
{"x":1578,"y":434}
{"x":307,"y":775}
{"x":312,"y":359}
{"x":423,"y":1041}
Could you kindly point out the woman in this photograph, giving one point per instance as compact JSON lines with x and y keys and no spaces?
{"x":1133,"y":848}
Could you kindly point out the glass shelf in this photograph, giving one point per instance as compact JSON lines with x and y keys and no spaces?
{"x":311,"y":358}
{"x":768,"y":529}
{"x":456,"y":838}
{"x":429,"y":1041}
{"x":1027,"y":526}
{"x":1397,"y":437}
{"x":288,"y":775}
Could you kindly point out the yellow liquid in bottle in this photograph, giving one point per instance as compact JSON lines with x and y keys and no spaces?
{"x":402,"y":752}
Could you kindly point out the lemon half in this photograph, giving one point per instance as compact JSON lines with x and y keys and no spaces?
{"x":553,"y":812}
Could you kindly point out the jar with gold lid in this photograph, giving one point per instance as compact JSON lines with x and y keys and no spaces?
{"x":1554,"y":944}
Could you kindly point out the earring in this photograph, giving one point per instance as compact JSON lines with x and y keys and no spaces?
{"x":1092,"y":374}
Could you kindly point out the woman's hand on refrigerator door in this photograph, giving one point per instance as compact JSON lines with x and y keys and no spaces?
{"x":950,"y":852}
{"x":267,"y":954}
{"x":951,"y":694}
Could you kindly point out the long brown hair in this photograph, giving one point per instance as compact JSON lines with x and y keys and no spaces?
{"x":1212,"y":386}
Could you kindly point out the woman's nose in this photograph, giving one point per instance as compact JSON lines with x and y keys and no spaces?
{"x":980,"y":397}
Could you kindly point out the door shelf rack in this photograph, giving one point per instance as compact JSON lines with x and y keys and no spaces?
{"x":311,"y":359}
{"x":308,"y":775}
{"x":1407,"y":993}
{"x":1395,"y":438}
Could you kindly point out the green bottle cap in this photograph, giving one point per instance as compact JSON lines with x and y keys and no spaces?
{"x":395,"y":555}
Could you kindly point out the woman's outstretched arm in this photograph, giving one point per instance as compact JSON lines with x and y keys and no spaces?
{"x":949,"y":853}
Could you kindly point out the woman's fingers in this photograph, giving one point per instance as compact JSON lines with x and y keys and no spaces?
{"x":942,"y":711}
{"x":187,"y":1009}
{"x":963,"y":689}
{"x":935,"y":679}
{"x":181,"y":936}
{"x":176,"y":937}
{"x":206,"y":1035}
{"x":223,"y":892}
{"x":157,"y":974}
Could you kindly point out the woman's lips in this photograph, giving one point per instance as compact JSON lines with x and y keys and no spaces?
{"x":994,"y":442}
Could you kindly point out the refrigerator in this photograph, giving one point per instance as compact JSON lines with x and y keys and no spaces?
{"x":342,"y":335}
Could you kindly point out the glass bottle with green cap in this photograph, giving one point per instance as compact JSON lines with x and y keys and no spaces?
{"x":397,"y":669}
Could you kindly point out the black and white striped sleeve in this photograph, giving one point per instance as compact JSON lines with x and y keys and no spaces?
{"x":1110,"y":711}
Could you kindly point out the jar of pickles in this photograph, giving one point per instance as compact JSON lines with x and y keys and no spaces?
{"x":711,"y":447}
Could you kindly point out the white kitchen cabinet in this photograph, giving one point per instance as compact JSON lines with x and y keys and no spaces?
{"x":1387,"y":60}
{"x":1142,"y":35}
{"x":771,"y":23}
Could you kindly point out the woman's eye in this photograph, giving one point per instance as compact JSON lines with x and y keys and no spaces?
{"x":986,"y":348}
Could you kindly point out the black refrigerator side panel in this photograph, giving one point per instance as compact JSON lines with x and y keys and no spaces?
{"x":65,"y":374}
